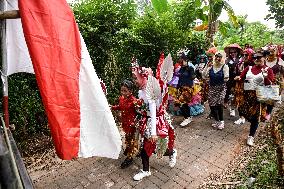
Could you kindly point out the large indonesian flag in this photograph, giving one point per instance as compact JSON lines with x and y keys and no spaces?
{"x":80,"y":119}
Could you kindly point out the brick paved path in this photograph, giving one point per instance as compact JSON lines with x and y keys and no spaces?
{"x":202,"y":151}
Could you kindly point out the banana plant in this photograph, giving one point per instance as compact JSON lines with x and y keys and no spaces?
{"x":215,"y":10}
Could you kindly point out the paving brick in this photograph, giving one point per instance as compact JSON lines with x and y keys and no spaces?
{"x":171,"y":184}
{"x":84,"y":181}
{"x":119,"y":184}
{"x":144,"y":184}
{"x":98,"y":184}
{"x":157,"y":181}
{"x":79,"y":187}
{"x":222,"y":164}
{"x":162,"y":176}
{"x":202,"y":151}
{"x":181,"y":181}
{"x":126,"y":186}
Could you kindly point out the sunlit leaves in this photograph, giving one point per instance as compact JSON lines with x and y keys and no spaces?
{"x":276,"y":9}
{"x":160,"y":5}
{"x":256,"y":34}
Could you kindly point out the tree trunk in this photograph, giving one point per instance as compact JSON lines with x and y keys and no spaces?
{"x":276,"y":127}
{"x":212,"y":25}
{"x":212,"y":29}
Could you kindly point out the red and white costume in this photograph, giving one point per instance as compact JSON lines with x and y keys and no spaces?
{"x":154,"y":93}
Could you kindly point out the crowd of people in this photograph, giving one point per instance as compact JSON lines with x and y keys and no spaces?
{"x":226,"y":80}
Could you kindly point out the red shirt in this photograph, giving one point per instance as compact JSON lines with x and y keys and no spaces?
{"x":256,"y":70}
{"x":128,"y":113}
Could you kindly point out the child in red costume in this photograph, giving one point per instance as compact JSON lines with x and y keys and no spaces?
{"x":127,"y":107}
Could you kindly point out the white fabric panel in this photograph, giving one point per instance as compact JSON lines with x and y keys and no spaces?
{"x":152,"y":108}
{"x":99,"y":135}
{"x":18,"y":57}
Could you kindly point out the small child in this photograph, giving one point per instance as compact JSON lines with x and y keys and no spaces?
{"x":127,"y":107}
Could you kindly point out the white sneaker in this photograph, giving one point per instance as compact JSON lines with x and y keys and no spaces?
{"x":250,"y":141}
{"x":215,"y":124}
{"x":141,"y":175}
{"x":232,"y":113}
{"x":186,"y":121}
{"x":240,"y":121}
{"x":221,"y":125}
{"x":173,"y":159}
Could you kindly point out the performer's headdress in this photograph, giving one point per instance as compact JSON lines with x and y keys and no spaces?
{"x":136,"y":69}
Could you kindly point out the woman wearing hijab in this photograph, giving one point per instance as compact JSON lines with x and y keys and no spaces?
{"x":233,"y":52}
{"x":274,"y":62}
{"x":251,"y":109}
{"x":246,"y":60}
{"x":218,"y":74}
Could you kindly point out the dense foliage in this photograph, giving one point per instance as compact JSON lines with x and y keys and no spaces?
{"x":25,"y":107}
{"x":256,"y":34}
{"x":114,"y":32}
{"x":276,"y":9}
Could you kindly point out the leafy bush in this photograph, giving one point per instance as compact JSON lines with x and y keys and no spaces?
{"x":25,"y":106}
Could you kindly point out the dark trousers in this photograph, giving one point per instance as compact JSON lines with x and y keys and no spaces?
{"x":218,"y":112}
{"x":253,"y":126}
{"x":269,"y":109}
{"x":230,"y":85}
{"x":211,"y":111}
{"x":145,"y":160}
{"x":185,"y":111}
{"x":144,"y":156}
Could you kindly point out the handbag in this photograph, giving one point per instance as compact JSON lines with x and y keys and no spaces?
{"x":249,"y":85}
{"x":268,"y":93}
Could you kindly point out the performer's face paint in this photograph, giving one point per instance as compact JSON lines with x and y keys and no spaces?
{"x":139,"y":80}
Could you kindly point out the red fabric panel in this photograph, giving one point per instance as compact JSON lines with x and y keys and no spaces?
{"x":53,"y":41}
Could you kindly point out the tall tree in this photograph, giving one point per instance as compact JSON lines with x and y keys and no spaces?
{"x":276,"y":9}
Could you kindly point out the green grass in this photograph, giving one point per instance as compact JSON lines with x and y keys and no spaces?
{"x":262,"y":166}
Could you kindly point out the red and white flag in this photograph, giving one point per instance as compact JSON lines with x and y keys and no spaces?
{"x":80,"y":119}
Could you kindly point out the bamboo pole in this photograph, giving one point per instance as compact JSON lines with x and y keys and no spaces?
{"x":12,"y":14}
{"x":4,"y":71}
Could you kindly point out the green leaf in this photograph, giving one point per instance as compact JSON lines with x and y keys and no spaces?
{"x":198,"y":3}
{"x":222,"y":28}
{"x":160,"y":6}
